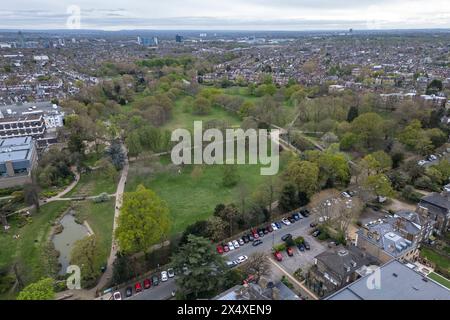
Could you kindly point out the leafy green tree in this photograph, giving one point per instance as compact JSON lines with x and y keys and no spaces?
{"x":41,"y":290}
{"x":380,"y":184}
{"x":369,"y":128}
{"x":352,"y":113}
{"x":143,"y":222}
{"x":201,"y":106}
{"x":203,"y":268}
{"x":348,"y":141}
{"x":288,"y":198}
{"x":304,"y":175}
{"x":133,"y":142}
{"x":84,"y":254}
{"x":116,"y":154}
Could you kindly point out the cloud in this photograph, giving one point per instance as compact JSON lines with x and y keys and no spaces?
{"x":229,"y":14}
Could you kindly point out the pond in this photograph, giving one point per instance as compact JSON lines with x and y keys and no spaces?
{"x":65,"y":240}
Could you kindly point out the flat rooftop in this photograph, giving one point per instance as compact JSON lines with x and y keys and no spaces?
{"x":397,"y":282}
{"x":15,"y":149}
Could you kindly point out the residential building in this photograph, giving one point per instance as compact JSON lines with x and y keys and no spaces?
{"x":437,"y":208}
{"x":393,"y":281}
{"x":21,"y":126}
{"x":18,"y":157}
{"x":337,"y":267}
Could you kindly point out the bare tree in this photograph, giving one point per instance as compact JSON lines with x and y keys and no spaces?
{"x":257,"y":265}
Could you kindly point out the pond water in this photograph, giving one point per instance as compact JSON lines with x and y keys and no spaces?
{"x":65,"y":240}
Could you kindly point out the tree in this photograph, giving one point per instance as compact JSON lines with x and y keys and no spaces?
{"x":380,"y":184}
{"x":257,"y":265}
{"x":303,"y":175}
{"x":201,"y":106}
{"x":216,"y":228}
{"x":106,"y":168}
{"x":228,"y":213}
{"x":352,"y":113}
{"x":369,"y":129}
{"x":116,"y":154}
{"x":133,"y":142}
{"x":288,"y":198}
{"x":31,"y":195}
{"x":41,"y":290}
{"x":84,"y":254}
{"x":143,"y":222}
{"x":205,"y":268}
{"x":230,"y":176}
{"x":198,"y":228}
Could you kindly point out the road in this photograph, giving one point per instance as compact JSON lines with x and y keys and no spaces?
{"x":162,"y":292}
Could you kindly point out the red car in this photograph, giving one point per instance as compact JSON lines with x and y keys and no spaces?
{"x":147,"y":283}
{"x":278,"y":255}
{"x":255,"y":233}
{"x":225,"y":248}
{"x":219,"y":249}
{"x":290,"y":252}
{"x":137,"y":287}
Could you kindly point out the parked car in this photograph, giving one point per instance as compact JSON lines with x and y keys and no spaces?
{"x":296,"y":216}
{"x":313,"y":224}
{"x":164,"y":276}
{"x":255,"y":233}
{"x":242,"y":259}
{"x":171,"y":273}
{"x":137,"y":287}
{"x":289,"y":251}
{"x":286,"y":236}
{"x":301,"y":247}
{"x":345,"y":195}
{"x":117,"y":295}
{"x":226,"y":248}
{"x":250,"y":237}
{"x":261,"y":233}
{"x":219,"y":249}
{"x":278,"y":256}
{"x":304,"y":212}
{"x":278,"y":224}
{"x":128,"y":292}
{"x":286,"y":221}
{"x":274,"y":226}
{"x":316,"y":233}
{"x":235,"y":244}
{"x":231,"y":264}
{"x":256,"y":243}
{"x":422,"y":162}
{"x":307,"y":246}
{"x":265,"y":231}
{"x":231,"y":246}
{"x":291,"y":220}
{"x":147,"y":283}
{"x":245,"y":239}
{"x":269,"y":228}
{"x":155,"y":280}
{"x":241,"y":242}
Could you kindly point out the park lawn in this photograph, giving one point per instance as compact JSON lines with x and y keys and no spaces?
{"x":440,"y":279}
{"x":191,"y":198}
{"x":100,"y":217}
{"x":440,"y":260}
{"x":93,"y":184}
{"x":182,"y":119}
{"x":28,"y":250}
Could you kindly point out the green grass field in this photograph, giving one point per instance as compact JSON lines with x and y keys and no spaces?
{"x":193,"y":194}
{"x":440,"y":279}
{"x":94,"y":183}
{"x":27,"y":250}
{"x":100,"y":217}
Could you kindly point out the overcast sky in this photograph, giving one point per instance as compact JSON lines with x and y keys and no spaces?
{"x":227,"y":15}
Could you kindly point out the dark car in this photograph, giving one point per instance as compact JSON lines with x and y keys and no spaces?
{"x":261,"y":233}
{"x":256,"y":243}
{"x":304,"y":212}
{"x":147,"y":283}
{"x":286,"y":236}
{"x":225,"y":248}
{"x":307,"y":246}
{"x":269,"y":228}
{"x":296,"y":216}
{"x":155,"y":280}
{"x":129,"y":292}
{"x":313,"y":224}
{"x":250,"y":237}
{"x":316,"y":233}
{"x":291,"y":220}
{"x":301,"y":247}
{"x":245,"y":239}
{"x":265,"y":230}
{"x":278,"y":225}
